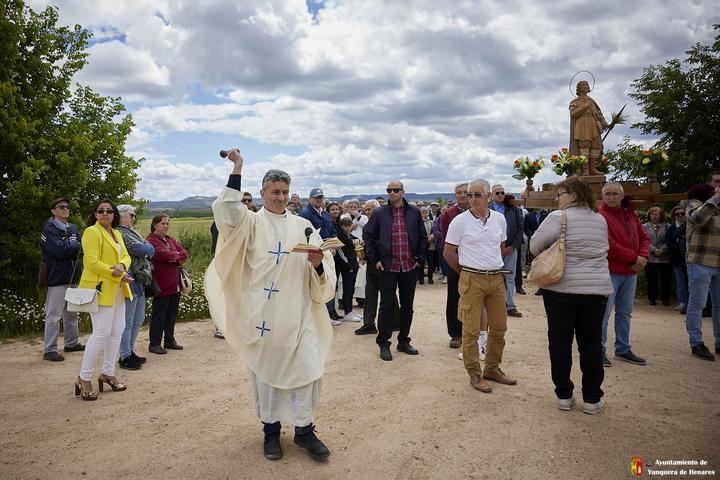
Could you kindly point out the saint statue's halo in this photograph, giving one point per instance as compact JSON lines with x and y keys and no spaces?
{"x":588,"y":76}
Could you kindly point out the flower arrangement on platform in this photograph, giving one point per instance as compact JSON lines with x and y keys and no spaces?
{"x":566,"y":164}
{"x":603,"y":165}
{"x":652,"y":160}
{"x":527,"y":168}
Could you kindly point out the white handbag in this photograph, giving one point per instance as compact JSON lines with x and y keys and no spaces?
{"x":82,"y":300}
{"x":185,"y":281}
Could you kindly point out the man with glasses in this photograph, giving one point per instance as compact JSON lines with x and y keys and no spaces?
{"x":473,"y":250}
{"x":628,"y":254}
{"x":60,"y":244}
{"x":395,"y":241}
{"x":454,"y":327}
{"x":511,"y":249}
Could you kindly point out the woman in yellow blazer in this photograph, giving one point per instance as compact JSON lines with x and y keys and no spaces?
{"x":105,"y":266}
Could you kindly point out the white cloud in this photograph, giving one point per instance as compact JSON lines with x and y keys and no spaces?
{"x":371,"y":90}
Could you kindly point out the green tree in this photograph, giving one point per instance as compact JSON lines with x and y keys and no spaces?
{"x":53,"y":141}
{"x":681,"y":103}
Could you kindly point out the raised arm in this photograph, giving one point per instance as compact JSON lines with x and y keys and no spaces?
{"x":228,"y":209}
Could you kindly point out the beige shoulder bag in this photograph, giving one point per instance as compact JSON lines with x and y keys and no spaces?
{"x":548,"y":267}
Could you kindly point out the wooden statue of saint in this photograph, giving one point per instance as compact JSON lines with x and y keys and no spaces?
{"x":586,"y":127}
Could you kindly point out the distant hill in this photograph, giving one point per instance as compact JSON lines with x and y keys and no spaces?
{"x":204,"y":204}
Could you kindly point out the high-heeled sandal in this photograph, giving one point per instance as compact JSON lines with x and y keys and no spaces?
{"x":80,"y":392}
{"x":115,"y":385}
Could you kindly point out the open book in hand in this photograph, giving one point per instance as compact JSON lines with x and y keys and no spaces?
{"x":329,"y":244}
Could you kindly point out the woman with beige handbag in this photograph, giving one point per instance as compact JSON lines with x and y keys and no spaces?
{"x":574,"y":302}
{"x":105,"y":266}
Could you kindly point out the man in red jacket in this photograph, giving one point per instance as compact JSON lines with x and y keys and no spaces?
{"x":628,"y":255}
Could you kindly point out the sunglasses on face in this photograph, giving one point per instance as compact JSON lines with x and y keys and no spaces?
{"x":246,"y":200}
{"x":475,"y":194}
{"x":393,"y":190}
{"x":680,"y":214}
{"x":108,"y":211}
{"x":499,"y":193}
{"x":63,"y":207}
{"x":132,"y":215}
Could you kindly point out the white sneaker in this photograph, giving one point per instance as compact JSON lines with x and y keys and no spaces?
{"x":482,"y":354}
{"x":444,"y":280}
{"x":352,"y":317}
{"x":335,"y":323}
{"x":680,"y":306}
{"x":460,"y":356}
{"x":566,"y":403}
{"x":593,"y":408}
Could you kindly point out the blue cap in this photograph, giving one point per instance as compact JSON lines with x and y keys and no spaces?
{"x":317,"y":192}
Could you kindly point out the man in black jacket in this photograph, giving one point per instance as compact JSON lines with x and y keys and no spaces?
{"x":514,"y":221}
{"x":395,"y":241}
{"x":60,"y":244}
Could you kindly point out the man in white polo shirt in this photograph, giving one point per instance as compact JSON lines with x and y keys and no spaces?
{"x":473,"y":249}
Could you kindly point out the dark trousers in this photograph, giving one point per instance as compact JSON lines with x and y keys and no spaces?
{"x":348,"y":290}
{"x":579,"y":316}
{"x":372,"y":289}
{"x":454,"y":326}
{"x":162,"y":319}
{"x":655,"y":272}
{"x":404,"y":284}
{"x":431,"y":262}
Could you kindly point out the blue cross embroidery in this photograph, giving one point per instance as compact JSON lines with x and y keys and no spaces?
{"x":271,"y":290}
{"x":263,"y":329}
{"x":278,"y":253}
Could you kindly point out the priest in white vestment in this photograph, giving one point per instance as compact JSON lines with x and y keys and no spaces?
{"x":270,"y":304}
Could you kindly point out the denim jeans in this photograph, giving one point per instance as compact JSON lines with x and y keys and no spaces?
{"x":681,"y":284}
{"x":702,"y":280}
{"x":623,"y":298}
{"x":510,"y":263}
{"x":134,"y":318}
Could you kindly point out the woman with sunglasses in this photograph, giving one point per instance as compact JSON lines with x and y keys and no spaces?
{"x":169,"y":257}
{"x":575,"y":305}
{"x":141,"y":252}
{"x":677,"y":245}
{"x":105,"y":266}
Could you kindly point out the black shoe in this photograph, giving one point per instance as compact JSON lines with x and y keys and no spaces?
{"x":652,"y":302}
{"x":78,"y":347}
{"x":701,"y":351}
{"x":407,"y":348}
{"x":630,"y":357}
{"x":430,"y":281}
{"x":157,"y":349}
{"x":139,"y":359}
{"x":335,"y":316}
{"x":421,"y":282}
{"x":683,"y":311}
{"x":717,"y":349}
{"x":514,"y":313}
{"x":606,"y":361}
{"x":366,"y":330}
{"x":385,"y":353}
{"x":520,"y":291}
{"x":129,"y":363}
{"x":53,"y":357}
{"x":539,"y":292}
{"x":666,"y":303}
{"x":271,"y":446}
{"x":172,"y":345}
{"x":305,"y":438}
{"x":706,"y":313}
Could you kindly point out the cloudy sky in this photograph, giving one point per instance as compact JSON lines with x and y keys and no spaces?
{"x":349,"y":94}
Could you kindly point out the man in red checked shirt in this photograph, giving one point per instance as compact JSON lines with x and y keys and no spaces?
{"x":395,"y":241}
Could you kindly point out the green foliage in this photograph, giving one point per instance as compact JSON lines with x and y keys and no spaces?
{"x":681,"y":103}
{"x":53,"y":141}
{"x":22,"y":313}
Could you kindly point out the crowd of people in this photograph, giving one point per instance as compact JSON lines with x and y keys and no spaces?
{"x":480,"y":245}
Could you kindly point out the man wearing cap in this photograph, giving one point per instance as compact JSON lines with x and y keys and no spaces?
{"x":60,"y":244}
{"x":395,"y":241}
{"x":315,"y":212}
{"x":473,"y":249}
{"x":321,"y":220}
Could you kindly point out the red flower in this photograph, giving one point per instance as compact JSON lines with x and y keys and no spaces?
{"x":554,"y":158}
{"x":647,"y":152}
